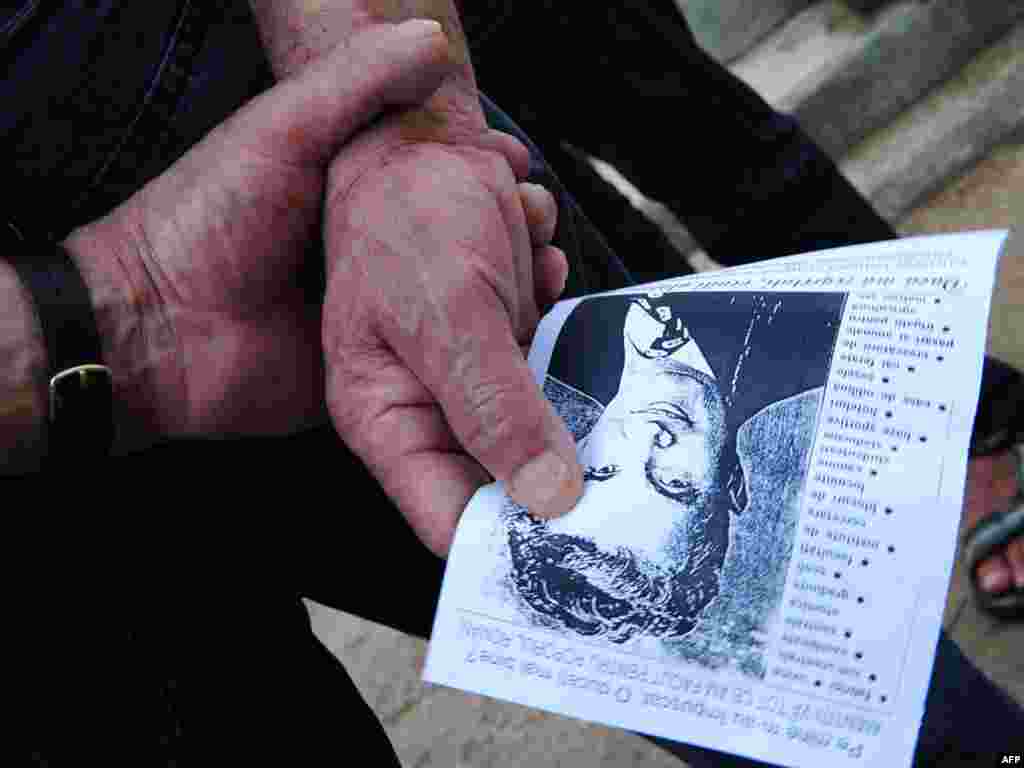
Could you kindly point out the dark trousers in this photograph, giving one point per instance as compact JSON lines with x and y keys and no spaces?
{"x":156,"y":610}
{"x":630,"y":85}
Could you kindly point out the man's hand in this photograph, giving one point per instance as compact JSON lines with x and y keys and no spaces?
{"x":437,"y":261}
{"x":195,"y":277}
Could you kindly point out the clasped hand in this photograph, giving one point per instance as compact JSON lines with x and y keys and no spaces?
{"x":438,"y":259}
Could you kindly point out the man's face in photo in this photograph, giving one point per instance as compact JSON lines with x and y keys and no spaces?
{"x":653,"y":458}
{"x":642,"y":549}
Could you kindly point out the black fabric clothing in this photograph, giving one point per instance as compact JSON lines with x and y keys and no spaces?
{"x":630,"y":85}
{"x":157,"y":611}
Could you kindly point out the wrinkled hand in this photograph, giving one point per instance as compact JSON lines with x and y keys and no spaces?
{"x":205,"y":322}
{"x":437,"y":262}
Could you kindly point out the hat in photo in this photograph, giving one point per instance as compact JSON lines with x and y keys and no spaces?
{"x":759,"y":347}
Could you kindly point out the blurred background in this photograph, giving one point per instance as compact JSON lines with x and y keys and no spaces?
{"x":922,"y":104}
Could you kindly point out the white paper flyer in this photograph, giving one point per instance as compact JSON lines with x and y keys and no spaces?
{"x":774,"y":459}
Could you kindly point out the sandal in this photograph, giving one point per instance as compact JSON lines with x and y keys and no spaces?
{"x":990,"y":535}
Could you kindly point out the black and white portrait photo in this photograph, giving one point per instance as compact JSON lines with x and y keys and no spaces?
{"x":694,"y":417}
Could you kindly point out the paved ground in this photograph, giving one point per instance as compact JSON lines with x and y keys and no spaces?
{"x":438,"y":727}
{"x":990,"y":196}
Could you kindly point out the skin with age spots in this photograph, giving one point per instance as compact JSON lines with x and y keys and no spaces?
{"x":433,"y":121}
{"x":308,"y":30}
{"x":442,"y":449}
{"x":440,"y":10}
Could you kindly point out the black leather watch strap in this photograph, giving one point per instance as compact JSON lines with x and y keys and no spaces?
{"x":62,"y":302}
{"x":80,"y":386}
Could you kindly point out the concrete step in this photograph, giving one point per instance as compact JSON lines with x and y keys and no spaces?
{"x":988,"y":196}
{"x":843,"y":75}
{"x":803,"y":53}
{"x":728,"y":28}
{"x":926,"y":144}
{"x":945,"y":134}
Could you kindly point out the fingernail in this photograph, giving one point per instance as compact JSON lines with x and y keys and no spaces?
{"x":419,"y":28}
{"x":538,"y":191}
{"x":543,"y":486}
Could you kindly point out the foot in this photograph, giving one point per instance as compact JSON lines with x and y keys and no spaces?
{"x":991,"y":484}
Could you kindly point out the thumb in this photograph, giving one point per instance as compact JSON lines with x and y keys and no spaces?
{"x":304,"y":120}
{"x":494,"y":407}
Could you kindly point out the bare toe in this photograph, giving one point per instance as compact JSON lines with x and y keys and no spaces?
{"x":991,"y":485}
{"x":994,"y":575}
{"x":1015,"y":555}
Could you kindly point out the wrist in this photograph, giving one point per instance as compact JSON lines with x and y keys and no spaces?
{"x":136,"y":336}
{"x":453,"y":113}
{"x":295,"y":33}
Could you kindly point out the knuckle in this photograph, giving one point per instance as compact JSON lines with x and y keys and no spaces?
{"x":496,"y":289}
{"x":550,"y":206}
{"x":345,"y":410}
{"x":496,"y":418}
{"x":502,"y":171}
{"x":495,"y":167}
{"x":374,"y":441}
{"x":540,"y":196}
{"x":513,"y":150}
{"x":353,"y":373}
{"x":501,"y":421}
